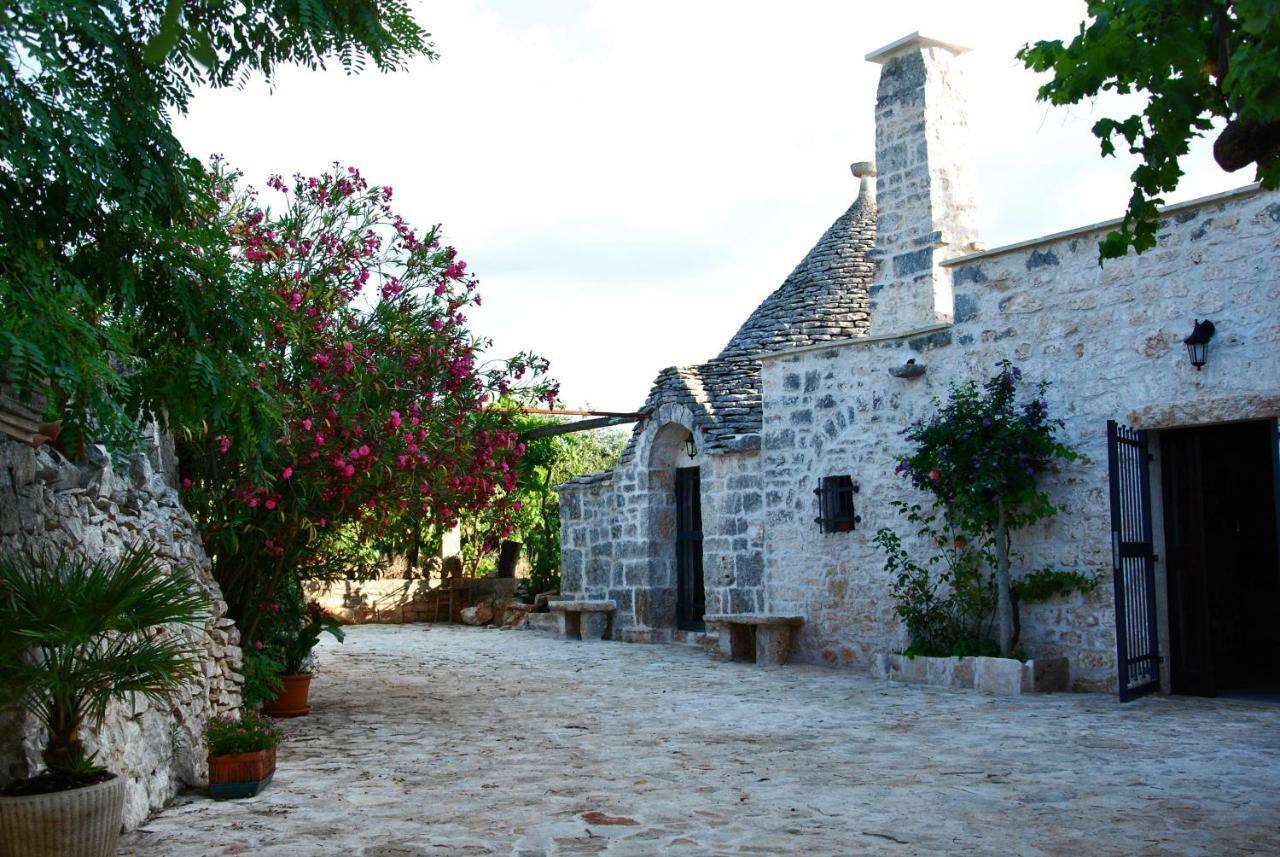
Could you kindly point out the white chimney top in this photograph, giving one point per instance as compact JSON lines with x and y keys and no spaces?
{"x":910,"y":42}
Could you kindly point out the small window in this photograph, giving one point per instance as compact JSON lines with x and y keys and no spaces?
{"x":835,"y":504}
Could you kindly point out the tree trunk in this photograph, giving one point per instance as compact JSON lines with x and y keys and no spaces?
{"x":1004,"y":605}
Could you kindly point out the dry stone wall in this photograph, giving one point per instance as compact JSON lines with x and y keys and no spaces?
{"x":1108,"y":339}
{"x":100,"y":508}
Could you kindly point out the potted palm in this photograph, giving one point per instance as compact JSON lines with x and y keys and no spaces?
{"x":242,"y":755}
{"x":76,"y":634}
{"x":296,"y":634}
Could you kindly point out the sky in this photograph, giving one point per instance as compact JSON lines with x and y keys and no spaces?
{"x":630,"y":179}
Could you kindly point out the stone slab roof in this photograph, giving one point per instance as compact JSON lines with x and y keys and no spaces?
{"x":823,"y":299}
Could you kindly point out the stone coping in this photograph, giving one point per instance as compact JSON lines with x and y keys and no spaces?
{"x":753,"y":619}
{"x":583,"y":606}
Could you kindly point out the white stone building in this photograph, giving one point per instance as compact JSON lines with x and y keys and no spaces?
{"x":804,"y":391}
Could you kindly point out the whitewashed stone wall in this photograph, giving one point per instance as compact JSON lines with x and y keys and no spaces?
{"x":618,"y":529}
{"x":48,"y":503}
{"x":1108,"y":339}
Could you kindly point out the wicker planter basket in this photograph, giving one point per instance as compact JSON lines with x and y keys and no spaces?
{"x":82,"y":822}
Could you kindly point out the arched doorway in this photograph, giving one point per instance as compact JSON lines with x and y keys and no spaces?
{"x":676,"y":599}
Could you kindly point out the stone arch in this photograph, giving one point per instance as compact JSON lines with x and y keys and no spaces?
{"x":662,"y":452}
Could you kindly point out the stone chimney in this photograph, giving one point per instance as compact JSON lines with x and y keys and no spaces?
{"x":924,"y":183}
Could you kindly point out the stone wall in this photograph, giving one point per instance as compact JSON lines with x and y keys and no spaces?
{"x":618,"y":529}
{"x":389,"y":601}
{"x":97,"y":509}
{"x":1109,"y":339}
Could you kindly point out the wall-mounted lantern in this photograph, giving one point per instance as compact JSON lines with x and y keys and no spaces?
{"x":835,"y":504}
{"x":1198,"y":342}
{"x":689,"y":447}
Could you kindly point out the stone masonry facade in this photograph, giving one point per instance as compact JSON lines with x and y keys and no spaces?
{"x":618,"y":528}
{"x":1109,"y":342}
{"x":1108,"y":339}
{"x":97,"y":508}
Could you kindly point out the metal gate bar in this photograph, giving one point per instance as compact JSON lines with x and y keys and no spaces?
{"x":1133,"y":561}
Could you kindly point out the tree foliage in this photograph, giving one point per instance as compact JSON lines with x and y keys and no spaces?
{"x":105,"y":293}
{"x":547,"y":462}
{"x":1195,"y":60}
{"x":385,"y":409}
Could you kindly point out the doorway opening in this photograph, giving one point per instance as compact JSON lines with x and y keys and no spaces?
{"x":1218,"y":486}
{"x":691,"y":598}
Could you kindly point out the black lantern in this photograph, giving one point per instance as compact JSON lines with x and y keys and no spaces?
{"x":689,"y":447}
{"x":1198,"y":342}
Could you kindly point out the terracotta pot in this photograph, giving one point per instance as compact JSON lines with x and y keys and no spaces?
{"x":292,"y":699}
{"x":240,"y":775}
{"x":240,"y":767}
{"x":82,"y":822}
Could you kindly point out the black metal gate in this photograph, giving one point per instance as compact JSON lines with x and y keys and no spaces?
{"x":691,"y":600}
{"x":1133,"y":559}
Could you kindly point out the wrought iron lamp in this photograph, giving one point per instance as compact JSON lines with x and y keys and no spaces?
{"x":689,"y":447}
{"x":1198,"y":342}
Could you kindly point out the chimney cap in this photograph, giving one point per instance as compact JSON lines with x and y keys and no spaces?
{"x":862,"y":169}
{"x":909,"y":42}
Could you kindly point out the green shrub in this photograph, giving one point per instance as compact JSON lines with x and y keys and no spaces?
{"x":227,"y":736}
{"x":76,"y":634}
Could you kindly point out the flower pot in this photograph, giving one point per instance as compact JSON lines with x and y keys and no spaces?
{"x":292,"y":699}
{"x":83,"y":822}
{"x":241,"y":775}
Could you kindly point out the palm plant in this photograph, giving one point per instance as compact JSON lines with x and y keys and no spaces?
{"x":77,"y":633}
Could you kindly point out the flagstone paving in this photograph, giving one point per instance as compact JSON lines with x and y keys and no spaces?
{"x":440,"y":740}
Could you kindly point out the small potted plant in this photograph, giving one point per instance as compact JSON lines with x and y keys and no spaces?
{"x":242,"y":755}
{"x":297,"y":633}
{"x":74,"y":635}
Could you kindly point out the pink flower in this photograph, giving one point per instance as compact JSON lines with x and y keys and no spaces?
{"x":306,"y":424}
{"x":364,"y":450}
{"x":186,"y":484}
{"x":257,"y":644}
{"x":271,"y":503}
{"x":286,"y":473}
{"x":224,"y":444}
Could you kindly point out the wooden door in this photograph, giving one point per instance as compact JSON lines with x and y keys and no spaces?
{"x":691,"y":600}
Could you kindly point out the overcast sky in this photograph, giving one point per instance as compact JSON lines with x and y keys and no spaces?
{"x":629,"y":179}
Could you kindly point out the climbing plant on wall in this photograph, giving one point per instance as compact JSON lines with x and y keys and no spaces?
{"x":1194,"y":62}
{"x":982,"y":455}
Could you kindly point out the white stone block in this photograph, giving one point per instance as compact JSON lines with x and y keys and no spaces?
{"x":1001,"y":676}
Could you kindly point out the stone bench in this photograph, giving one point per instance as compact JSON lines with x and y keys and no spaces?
{"x":584,"y":620}
{"x":759,"y":637}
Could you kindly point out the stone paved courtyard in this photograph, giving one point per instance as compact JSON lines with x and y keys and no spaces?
{"x":435,"y":740}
